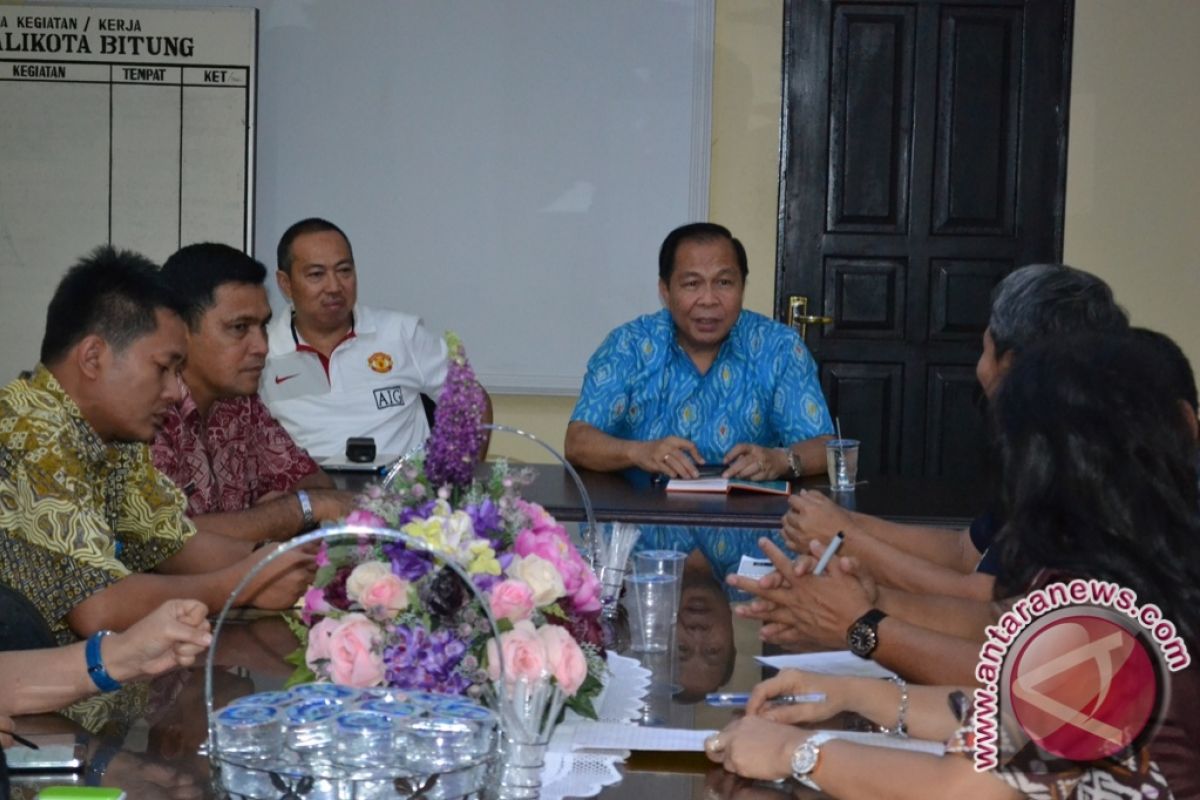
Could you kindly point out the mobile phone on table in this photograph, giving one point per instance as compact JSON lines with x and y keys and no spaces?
{"x":56,"y":752}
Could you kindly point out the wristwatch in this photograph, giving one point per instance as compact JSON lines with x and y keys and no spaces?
{"x":795,"y":463}
{"x":862,"y":637}
{"x":806,"y":755}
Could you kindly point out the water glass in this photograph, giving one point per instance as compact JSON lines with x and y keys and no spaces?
{"x":653,"y":602}
{"x":841,"y":458}
{"x":660,"y":562}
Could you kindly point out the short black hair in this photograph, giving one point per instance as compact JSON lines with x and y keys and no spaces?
{"x":111,"y":293}
{"x":697,"y":232}
{"x":1178,"y":375}
{"x":283,"y":253}
{"x":196,"y":272}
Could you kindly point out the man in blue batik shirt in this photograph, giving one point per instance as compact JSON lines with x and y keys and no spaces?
{"x":702,"y":382}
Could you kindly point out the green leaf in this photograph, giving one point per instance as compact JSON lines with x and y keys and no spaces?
{"x":324,"y":575}
{"x":554,"y":610}
{"x":298,"y":627}
{"x":301,"y":675}
{"x":582,"y":705}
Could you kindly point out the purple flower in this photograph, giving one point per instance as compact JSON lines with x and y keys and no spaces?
{"x":418,"y":512}
{"x":411,"y":565}
{"x":418,"y":659}
{"x":453,"y":448}
{"x":485,"y":518}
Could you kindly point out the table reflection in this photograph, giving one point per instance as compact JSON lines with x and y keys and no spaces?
{"x":152,"y":749}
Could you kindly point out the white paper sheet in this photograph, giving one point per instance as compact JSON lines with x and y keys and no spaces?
{"x":622,"y":736}
{"x":834,"y":662}
{"x":754,"y":568}
{"x":894,"y":742}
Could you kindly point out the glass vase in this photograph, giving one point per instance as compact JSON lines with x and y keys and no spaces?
{"x":529,"y":710}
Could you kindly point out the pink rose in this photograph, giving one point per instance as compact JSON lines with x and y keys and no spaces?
{"x":354,"y":657}
{"x":540,"y":520}
{"x":368,"y":518}
{"x":545,"y":545}
{"x":564,"y":657}
{"x":389,"y":594}
{"x":523,"y":652}
{"x":512,"y":600}
{"x":586,"y":598}
{"x":375,"y":587}
{"x":318,"y":643}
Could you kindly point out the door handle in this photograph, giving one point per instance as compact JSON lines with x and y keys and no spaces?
{"x":798,"y":316}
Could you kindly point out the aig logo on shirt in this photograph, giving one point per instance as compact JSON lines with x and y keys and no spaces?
{"x":389,"y":397}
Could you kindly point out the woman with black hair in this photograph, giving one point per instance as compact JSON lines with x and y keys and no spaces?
{"x":1098,"y":481}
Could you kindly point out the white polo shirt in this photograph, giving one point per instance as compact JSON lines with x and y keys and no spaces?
{"x":371,"y":385}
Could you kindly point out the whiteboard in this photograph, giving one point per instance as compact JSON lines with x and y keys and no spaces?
{"x":129,"y":126}
{"x":504,"y":168}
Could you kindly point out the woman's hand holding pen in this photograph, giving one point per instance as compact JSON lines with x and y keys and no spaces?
{"x":838,"y":691}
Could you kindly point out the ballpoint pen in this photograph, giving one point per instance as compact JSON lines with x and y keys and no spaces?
{"x":740,"y":699}
{"x":829,"y":553}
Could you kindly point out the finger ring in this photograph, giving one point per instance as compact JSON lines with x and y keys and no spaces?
{"x":713,"y":743}
{"x":667,"y":457}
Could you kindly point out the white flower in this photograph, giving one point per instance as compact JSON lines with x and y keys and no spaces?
{"x":542,"y":577}
{"x":364,"y":576}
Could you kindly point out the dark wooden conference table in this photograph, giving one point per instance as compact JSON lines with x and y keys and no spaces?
{"x":635,"y":497}
{"x":152,"y":751}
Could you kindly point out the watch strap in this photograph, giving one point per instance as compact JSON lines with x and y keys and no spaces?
{"x":95,"y":663}
{"x":809,"y":752}
{"x":871,"y":618}
{"x":795,"y":463}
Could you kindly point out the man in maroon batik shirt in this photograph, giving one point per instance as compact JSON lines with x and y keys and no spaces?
{"x":243,"y":475}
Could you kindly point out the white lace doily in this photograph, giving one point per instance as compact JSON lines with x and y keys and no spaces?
{"x":583,"y":773}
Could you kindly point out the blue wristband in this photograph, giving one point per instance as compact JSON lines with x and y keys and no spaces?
{"x":95,"y":664}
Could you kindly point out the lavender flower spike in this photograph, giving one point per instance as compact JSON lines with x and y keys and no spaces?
{"x":456,"y":441}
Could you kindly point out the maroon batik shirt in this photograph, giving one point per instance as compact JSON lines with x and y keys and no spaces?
{"x":230,"y":460}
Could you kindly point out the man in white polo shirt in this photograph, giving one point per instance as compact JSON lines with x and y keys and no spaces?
{"x":338,"y":369}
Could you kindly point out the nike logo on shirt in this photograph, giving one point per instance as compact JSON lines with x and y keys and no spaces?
{"x":281,"y":378}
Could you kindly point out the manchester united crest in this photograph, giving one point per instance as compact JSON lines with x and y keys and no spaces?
{"x":380,"y":362}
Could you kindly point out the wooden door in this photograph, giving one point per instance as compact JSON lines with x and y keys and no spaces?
{"x":924,"y":158}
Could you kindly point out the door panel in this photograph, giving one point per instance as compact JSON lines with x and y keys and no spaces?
{"x":871,"y":93}
{"x":868,"y":399}
{"x":924,"y":158}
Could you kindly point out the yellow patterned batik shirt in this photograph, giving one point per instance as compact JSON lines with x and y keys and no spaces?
{"x":76,"y":514}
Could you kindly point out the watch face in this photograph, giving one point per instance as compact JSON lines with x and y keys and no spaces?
{"x":861,"y":639}
{"x":804,"y":760}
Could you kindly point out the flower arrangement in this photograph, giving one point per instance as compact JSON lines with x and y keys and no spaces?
{"x":381,"y":613}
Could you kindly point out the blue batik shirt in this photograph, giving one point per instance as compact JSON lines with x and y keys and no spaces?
{"x":761,"y":389}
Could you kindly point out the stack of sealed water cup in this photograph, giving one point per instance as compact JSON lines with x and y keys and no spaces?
{"x":329,"y":742}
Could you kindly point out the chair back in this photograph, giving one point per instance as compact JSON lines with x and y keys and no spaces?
{"x":22,"y":626}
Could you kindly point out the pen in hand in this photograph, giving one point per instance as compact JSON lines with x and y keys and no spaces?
{"x":829,"y":553}
{"x":740,"y":699}
{"x":19,"y":739}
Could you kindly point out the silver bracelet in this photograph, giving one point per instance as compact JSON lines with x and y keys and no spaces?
{"x":306,"y":509}
{"x":901,"y":728}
